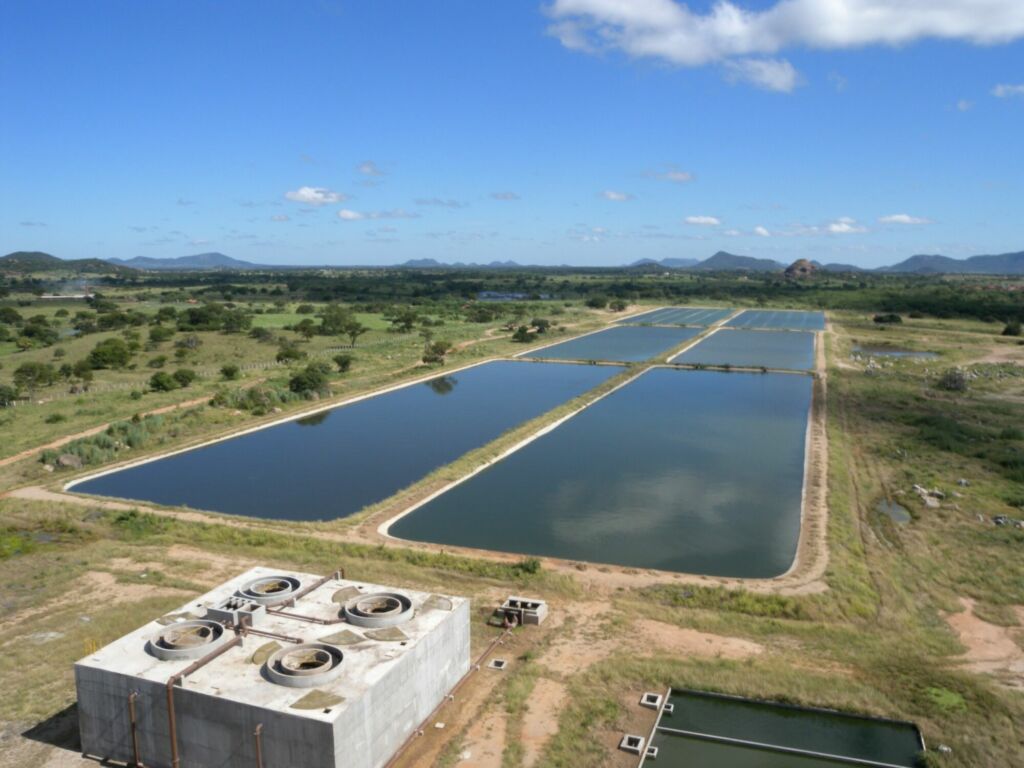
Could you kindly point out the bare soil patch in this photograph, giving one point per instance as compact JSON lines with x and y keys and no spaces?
{"x":540,"y":722}
{"x":485,"y":741}
{"x":990,"y":647}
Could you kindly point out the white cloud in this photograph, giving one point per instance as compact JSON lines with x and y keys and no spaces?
{"x":838,"y":81}
{"x":1005,"y":90}
{"x":963,"y":105}
{"x":616,"y":197}
{"x":315,"y":196}
{"x":437,"y":202}
{"x":732,"y":233}
{"x":346,"y":214}
{"x":769,"y":74}
{"x":703,"y":221}
{"x":281,"y":217}
{"x":903,"y":218}
{"x":369,"y":168}
{"x":761,"y":231}
{"x":670,"y":31}
{"x":505,"y":196}
{"x":844,"y":225}
{"x":674,"y":174}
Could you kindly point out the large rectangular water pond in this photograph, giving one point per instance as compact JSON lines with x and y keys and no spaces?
{"x":788,"y":350}
{"x":728,"y":732}
{"x":784,"y":319}
{"x":699,"y":316}
{"x":692,"y":471}
{"x":336,"y":462}
{"x":623,"y":344}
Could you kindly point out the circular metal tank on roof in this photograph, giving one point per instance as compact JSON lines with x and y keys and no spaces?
{"x":187,"y":640}
{"x":379,"y":609}
{"x":304,"y":666}
{"x":270,"y":590}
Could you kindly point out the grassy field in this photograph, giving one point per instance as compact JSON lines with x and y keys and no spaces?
{"x":872,"y":637}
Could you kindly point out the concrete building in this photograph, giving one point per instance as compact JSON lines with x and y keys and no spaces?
{"x":275,"y":670}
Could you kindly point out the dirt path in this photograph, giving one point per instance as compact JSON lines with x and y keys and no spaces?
{"x":485,"y":741}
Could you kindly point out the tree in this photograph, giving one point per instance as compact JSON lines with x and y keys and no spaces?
{"x":305,"y":309}
{"x":889,"y":318}
{"x":522,"y":335}
{"x":404,"y":319}
{"x":542,"y":324}
{"x":110,"y":353}
{"x":82,"y":371}
{"x":354,"y":329}
{"x":161,"y":381}
{"x":344,"y":362}
{"x":236,"y":321}
{"x":597,"y":302}
{"x":1012,"y":328}
{"x":434,"y":351}
{"x":306,"y":328}
{"x":230,"y":372}
{"x":8,"y":396}
{"x":334,"y":319}
{"x":311,"y":379}
{"x":261,"y":334}
{"x":10,"y":316}
{"x":617,"y":305}
{"x":160,"y":333}
{"x":33,"y":375}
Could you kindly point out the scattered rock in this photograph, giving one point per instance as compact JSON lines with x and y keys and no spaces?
{"x":69,"y":460}
{"x":963,"y":482}
{"x":48,"y":467}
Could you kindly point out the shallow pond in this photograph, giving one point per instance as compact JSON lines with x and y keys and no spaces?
{"x":895,"y":512}
{"x":700,"y":316}
{"x":791,"y":350}
{"x":783,"y":319}
{"x":681,"y":470}
{"x":338,"y":461}
{"x":623,"y":343}
{"x":829,"y":733}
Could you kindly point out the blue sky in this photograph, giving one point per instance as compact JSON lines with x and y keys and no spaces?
{"x":566,"y":131}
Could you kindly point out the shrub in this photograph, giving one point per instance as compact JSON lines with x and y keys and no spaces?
{"x":344,"y":362}
{"x":1013,"y":328}
{"x":434,"y":351}
{"x":522,"y":335}
{"x":8,"y":395}
{"x":110,"y":353}
{"x":617,"y":305}
{"x":56,"y":418}
{"x":890,"y":318}
{"x":160,"y":333}
{"x":184,"y":376}
{"x":289,"y":352}
{"x":597,"y":302}
{"x":230,"y":372}
{"x":953,"y":380}
{"x":161,"y":381}
{"x":311,"y":379}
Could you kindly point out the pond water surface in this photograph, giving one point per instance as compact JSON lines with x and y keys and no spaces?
{"x":791,"y":350}
{"x":336,"y":462}
{"x":830,"y":733}
{"x":702,"y":316}
{"x":879,"y":351}
{"x":681,"y":470}
{"x":623,"y":343}
{"x":787,"y":319}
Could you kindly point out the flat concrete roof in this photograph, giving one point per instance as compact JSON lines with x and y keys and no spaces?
{"x":234,"y":675}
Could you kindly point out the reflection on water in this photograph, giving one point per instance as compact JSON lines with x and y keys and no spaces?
{"x":334,"y":463}
{"x":694,"y":471}
{"x":442,"y":385}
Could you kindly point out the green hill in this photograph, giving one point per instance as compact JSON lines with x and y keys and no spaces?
{"x":28,"y":262}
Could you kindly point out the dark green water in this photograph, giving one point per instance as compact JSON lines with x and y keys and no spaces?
{"x":675,"y":751}
{"x":694,"y":471}
{"x":336,"y":462}
{"x":814,"y":731}
{"x":789,"y":350}
{"x":623,"y":343}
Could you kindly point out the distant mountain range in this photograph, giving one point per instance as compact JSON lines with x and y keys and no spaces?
{"x":26,"y":262}
{"x":199,"y":261}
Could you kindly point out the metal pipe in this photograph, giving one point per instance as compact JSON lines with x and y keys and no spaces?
{"x":264,"y":633}
{"x":338,"y":574}
{"x":136,"y":759}
{"x":257,"y":737}
{"x":300,"y":617}
{"x":172,"y":724}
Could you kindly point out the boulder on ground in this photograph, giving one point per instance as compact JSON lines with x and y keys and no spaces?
{"x":69,"y":460}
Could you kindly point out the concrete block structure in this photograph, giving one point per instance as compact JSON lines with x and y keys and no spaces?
{"x":274,"y":670}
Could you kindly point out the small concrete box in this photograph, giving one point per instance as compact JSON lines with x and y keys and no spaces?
{"x":345,"y":689}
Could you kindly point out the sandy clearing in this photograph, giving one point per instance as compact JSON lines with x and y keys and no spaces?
{"x":540,"y":721}
{"x":990,"y":647}
{"x":485,"y":741}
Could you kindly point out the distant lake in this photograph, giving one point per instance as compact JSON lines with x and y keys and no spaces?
{"x":623,"y":344}
{"x":680,"y":470}
{"x":790,"y":350}
{"x":336,"y":462}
